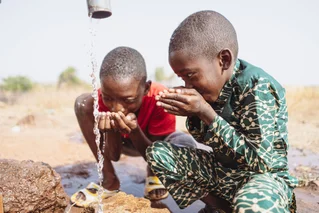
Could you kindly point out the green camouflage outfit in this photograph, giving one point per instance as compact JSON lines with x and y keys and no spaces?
{"x":248,"y":166}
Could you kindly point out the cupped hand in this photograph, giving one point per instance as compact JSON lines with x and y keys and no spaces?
{"x":104,"y":121}
{"x":182,"y":101}
{"x":123,"y":123}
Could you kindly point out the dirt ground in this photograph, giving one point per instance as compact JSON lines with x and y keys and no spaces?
{"x":41,"y":126}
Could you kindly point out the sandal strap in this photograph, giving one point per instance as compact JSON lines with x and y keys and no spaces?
{"x":91,"y":197}
{"x":153,"y":180}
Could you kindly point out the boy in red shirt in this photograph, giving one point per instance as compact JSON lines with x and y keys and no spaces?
{"x":130,"y":120}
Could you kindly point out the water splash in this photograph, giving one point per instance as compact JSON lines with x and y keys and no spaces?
{"x":96,"y":117}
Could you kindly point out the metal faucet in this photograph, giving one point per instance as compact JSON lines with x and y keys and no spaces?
{"x":99,"y":8}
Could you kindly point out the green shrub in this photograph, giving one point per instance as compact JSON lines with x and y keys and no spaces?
{"x":17,"y":84}
{"x":69,"y":78}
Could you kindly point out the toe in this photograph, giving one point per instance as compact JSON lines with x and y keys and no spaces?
{"x":80,"y":196}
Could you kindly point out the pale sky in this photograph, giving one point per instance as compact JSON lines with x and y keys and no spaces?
{"x":40,"y":38}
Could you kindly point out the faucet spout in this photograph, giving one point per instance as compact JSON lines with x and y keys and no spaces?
{"x":99,"y":9}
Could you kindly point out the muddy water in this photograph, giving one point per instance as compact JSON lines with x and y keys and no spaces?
{"x":132,"y":171}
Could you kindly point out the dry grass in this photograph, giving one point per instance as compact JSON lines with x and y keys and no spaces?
{"x":47,"y":97}
{"x":303,"y":113}
{"x":303,"y":102}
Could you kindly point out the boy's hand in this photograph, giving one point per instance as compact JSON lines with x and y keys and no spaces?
{"x":104,"y":122}
{"x":181,"y":101}
{"x":185,"y":102}
{"x":124,"y":124}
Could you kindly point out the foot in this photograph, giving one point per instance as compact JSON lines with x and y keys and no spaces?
{"x":154,"y":189}
{"x":81,"y":196}
{"x":210,"y":209}
{"x":215,"y":204}
{"x":111,"y":182}
{"x":89,"y":195}
{"x":157,"y":194}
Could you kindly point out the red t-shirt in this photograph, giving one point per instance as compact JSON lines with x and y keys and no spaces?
{"x":152,"y":119}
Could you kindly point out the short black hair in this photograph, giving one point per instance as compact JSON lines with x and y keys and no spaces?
{"x":123,"y":62}
{"x":204,"y":33}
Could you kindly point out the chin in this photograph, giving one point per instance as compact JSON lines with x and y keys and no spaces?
{"x":210,"y":99}
{"x":206,"y":97}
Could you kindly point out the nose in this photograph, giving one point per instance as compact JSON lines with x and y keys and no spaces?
{"x":188,"y":85}
{"x":117,"y":106}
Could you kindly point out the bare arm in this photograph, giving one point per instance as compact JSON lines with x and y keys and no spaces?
{"x":113,"y":145}
{"x":141,"y":141}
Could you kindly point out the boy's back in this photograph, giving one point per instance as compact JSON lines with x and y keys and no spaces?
{"x":247,"y":108}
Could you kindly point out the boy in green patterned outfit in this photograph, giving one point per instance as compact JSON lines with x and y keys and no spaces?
{"x":235,"y":108}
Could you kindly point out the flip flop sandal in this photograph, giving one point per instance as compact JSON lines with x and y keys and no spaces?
{"x":90,"y":194}
{"x":153,"y":183}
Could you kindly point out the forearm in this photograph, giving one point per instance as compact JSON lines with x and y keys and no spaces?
{"x":113,"y":145}
{"x":140,"y":141}
{"x":208,"y":114}
{"x":195,"y":124}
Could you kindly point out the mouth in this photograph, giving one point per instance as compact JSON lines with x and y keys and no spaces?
{"x":200,"y":91}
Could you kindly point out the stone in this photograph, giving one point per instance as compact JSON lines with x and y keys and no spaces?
{"x":28,"y":186}
{"x":122,"y":203}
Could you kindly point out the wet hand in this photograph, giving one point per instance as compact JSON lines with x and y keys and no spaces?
{"x":182,"y":101}
{"x":104,"y":121}
{"x":124,"y":124}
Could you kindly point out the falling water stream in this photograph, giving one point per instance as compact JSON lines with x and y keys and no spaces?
{"x":96,"y":115}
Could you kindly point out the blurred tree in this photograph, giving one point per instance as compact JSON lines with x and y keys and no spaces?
{"x":69,"y":78}
{"x":17,"y":84}
{"x":160,"y":75}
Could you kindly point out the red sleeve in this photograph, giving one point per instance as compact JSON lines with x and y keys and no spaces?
{"x":102,"y":107}
{"x":161,"y":123}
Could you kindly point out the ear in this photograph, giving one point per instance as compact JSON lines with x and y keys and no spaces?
{"x":225,"y":59}
{"x":147,"y":86}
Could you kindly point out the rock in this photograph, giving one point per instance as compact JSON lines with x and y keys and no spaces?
{"x":314,"y":185}
{"x":28,"y":120}
{"x":28,"y":186}
{"x":122,"y":203}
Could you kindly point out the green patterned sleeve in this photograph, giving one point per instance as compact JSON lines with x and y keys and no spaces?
{"x":195,"y":128}
{"x":253,"y":142}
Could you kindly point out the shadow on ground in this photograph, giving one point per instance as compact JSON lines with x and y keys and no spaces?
{"x":132,"y":171}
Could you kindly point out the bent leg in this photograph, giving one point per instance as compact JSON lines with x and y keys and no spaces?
{"x":187,"y":173}
{"x":177,"y":138}
{"x":83,"y":108}
{"x":263,"y":193}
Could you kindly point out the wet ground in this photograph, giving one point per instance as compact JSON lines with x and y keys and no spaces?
{"x":131,"y":172}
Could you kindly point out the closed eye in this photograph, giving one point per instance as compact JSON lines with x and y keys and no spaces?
{"x":190,"y":75}
{"x":129,"y":101}
{"x":107,"y":98}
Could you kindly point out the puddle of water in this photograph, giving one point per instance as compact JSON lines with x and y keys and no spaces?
{"x":298,"y":157}
{"x":132,"y":172}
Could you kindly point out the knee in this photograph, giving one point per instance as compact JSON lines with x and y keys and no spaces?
{"x":259,"y":199}
{"x":154,"y":150}
{"x":159,"y":154}
{"x":83,"y":104}
{"x":250,"y":204}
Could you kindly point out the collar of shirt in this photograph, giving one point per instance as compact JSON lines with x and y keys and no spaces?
{"x":227,"y":88}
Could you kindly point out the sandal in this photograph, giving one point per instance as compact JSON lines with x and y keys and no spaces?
{"x":153,"y":183}
{"x":90,"y":194}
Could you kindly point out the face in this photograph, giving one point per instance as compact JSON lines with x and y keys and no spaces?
{"x":207,"y":77}
{"x":124,"y":95}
